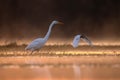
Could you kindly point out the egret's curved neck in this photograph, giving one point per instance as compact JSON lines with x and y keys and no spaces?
{"x":49,"y":31}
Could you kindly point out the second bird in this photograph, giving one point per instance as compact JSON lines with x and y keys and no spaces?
{"x":77,"y":38}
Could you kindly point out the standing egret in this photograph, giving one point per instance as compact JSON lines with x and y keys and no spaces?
{"x":77,"y":38}
{"x":39,"y":42}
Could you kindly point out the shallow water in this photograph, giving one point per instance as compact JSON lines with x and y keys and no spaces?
{"x":58,"y":63}
{"x":71,"y":72}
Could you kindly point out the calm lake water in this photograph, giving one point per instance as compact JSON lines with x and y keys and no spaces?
{"x":58,"y":63}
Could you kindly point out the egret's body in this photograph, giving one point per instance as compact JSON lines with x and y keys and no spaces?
{"x":39,"y":42}
{"x":77,"y":38}
{"x":36,"y":44}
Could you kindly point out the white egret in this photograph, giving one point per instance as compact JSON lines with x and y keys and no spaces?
{"x":39,"y":42}
{"x":77,"y":38}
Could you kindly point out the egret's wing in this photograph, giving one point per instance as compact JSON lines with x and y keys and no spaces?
{"x":86,"y":39}
{"x":76,"y":41}
{"x":33,"y":44}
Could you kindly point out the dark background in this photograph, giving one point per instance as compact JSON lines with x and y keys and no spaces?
{"x":24,"y":19}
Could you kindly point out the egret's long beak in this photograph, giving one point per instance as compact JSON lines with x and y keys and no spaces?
{"x":60,"y":23}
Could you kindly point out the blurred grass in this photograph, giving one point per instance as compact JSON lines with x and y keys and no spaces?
{"x":60,"y":50}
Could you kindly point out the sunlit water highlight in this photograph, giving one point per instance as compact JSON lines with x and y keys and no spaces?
{"x":60,"y":62}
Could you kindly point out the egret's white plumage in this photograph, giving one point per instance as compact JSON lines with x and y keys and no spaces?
{"x":39,"y":42}
{"x":77,"y":38}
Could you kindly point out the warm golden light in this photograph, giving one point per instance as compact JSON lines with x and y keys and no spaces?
{"x":63,"y":42}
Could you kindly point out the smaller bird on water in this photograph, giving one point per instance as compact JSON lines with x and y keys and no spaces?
{"x":77,"y":38}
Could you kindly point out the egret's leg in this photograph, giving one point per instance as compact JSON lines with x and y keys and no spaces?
{"x":25,"y":52}
{"x":37,"y":51}
{"x":31,"y":52}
